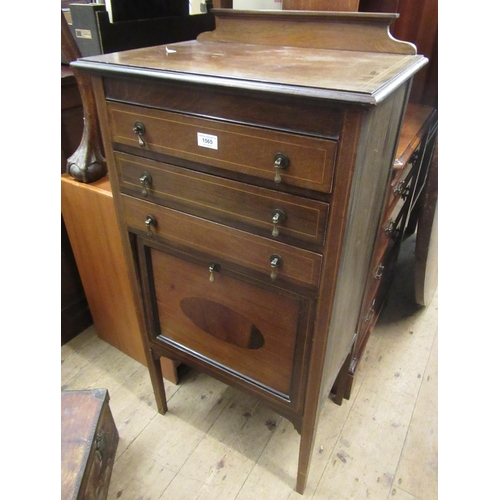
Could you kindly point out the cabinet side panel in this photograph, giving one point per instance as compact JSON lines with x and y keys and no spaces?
{"x":377,"y":144}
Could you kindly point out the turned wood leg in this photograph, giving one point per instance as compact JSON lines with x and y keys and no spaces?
{"x":156,"y":375}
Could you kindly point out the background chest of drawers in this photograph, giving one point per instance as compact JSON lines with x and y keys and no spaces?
{"x":250,"y":170}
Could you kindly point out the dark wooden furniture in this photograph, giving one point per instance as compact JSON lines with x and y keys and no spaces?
{"x":402,"y":210}
{"x":250,"y":170}
{"x":322,"y":5}
{"x":88,"y":444}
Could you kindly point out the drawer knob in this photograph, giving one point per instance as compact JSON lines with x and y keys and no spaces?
{"x":140,"y":130}
{"x":146,"y":182}
{"x":150,"y":222}
{"x":276,"y":262}
{"x":281,"y":161}
{"x":278,"y":217}
{"x":213,"y":268}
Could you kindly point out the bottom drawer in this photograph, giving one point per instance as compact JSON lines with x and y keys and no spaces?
{"x":253,"y":333}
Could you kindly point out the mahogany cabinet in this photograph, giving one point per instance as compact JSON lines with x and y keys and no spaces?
{"x":250,"y":170}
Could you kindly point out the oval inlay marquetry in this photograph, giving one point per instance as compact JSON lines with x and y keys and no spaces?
{"x":222,"y":322}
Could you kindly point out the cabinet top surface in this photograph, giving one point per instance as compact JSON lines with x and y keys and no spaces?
{"x":298,"y":55}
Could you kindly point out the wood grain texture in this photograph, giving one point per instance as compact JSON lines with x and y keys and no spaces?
{"x":86,"y":164}
{"x":321,"y":5}
{"x":88,"y":444}
{"x":221,"y":200}
{"x":90,"y":218}
{"x":169,"y":248}
{"x":352,"y":31}
{"x":241,"y":149}
{"x":306,"y":116}
{"x":416,"y":123}
{"x":219,"y":442}
{"x":179,"y":288}
{"x":223,"y":244}
{"x":346,"y":75}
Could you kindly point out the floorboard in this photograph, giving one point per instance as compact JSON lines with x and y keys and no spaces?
{"x":216,"y":443}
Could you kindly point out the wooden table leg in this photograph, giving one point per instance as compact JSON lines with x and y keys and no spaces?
{"x":155,"y":372}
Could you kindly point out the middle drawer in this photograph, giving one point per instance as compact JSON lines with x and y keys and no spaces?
{"x":281,"y":216}
{"x":224,"y":245}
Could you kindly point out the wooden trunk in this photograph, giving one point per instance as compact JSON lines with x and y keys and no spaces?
{"x":250,"y":170}
{"x":88,"y":444}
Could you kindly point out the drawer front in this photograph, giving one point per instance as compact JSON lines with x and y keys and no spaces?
{"x":375,"y":294}
{"x":231,"y":324}
{"x":229,"y":202}
{"x":225,"y":244}
{"x":247,"y":150}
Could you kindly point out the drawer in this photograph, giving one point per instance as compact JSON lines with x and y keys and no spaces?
{"x":229,"y":202}
{"x":254,"y":333}
{"x":307,"y":162}
{"x":223,"y":245}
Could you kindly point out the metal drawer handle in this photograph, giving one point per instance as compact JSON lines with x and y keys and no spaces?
{"x":100,"y":444}
{"x":276,"y":262}
{"x":278,"y":217}
{"x":389,"y":227}
{"x":146,"y":182}
{"x":139,"y":129}
{"x":379,"y":272}
{"x":399,"y":187}
{"x":281,"y":161}
{"x":150,"y":222}
{"x":370,"y":312}
{"x":213,"y":268}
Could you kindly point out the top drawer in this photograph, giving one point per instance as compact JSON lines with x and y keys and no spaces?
{"x":308,"y":162}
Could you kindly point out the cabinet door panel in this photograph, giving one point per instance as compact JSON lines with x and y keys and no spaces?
{"x":239,"y":326}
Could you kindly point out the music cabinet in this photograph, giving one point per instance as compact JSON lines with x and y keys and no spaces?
{"x":250,"y":170}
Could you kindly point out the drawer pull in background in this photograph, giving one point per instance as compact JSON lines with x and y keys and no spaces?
{"x":150,"y":221}
{"x":146,"y":182}
{"x":281,"y":161}
{"x":213,"y":268}
{"x":379,"y":272}
{"x":276,"y":261}
{"x":389,"y":227}
{"x":399,"y":188}
{"x":278,"y":217}
{"x":370,"y":312}
{"x":140,"y":130}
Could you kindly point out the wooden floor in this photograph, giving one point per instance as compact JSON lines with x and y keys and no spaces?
{"x":217,"y":443}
